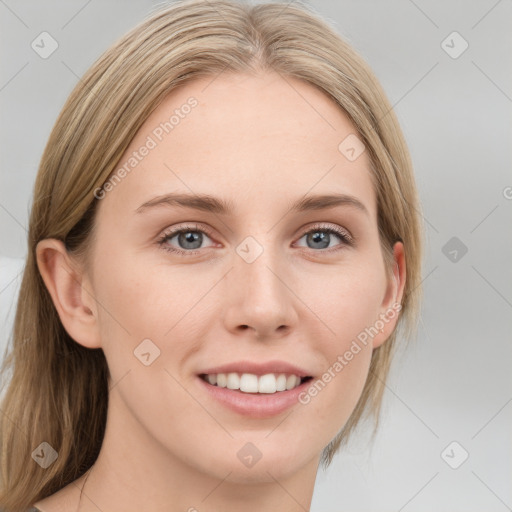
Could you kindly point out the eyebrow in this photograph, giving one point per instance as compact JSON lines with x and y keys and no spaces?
{"x":212,"y":204}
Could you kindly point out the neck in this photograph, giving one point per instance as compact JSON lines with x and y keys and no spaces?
{"x":134,"y":472}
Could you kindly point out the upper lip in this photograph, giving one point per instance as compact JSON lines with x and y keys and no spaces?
{"x":258,"y":368}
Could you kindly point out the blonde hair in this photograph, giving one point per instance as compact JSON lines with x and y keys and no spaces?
{"x":58,"y":390}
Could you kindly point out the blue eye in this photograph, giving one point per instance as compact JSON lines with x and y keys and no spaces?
{"x":191,"y":238}
{"x":322,"y":235}
{"x":187,"y":235}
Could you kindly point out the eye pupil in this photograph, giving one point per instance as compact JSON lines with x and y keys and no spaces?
{"x":320,"y":237}
{"x":190,"y":237}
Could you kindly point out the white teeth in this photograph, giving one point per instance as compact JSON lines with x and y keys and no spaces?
{"x":250,"y":383}
{"x":267,"y":383}
{"x":291,"y":382}
{"x":221,"y":380}
{"x":233,"y":381}
{"x":281,"y":382}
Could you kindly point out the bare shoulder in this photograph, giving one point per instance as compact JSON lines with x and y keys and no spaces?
{"x":64,"y":500}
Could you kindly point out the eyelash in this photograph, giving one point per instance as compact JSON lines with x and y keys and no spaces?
{"x":345,"y":237}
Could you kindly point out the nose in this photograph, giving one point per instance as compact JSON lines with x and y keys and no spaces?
{"x":260,"y":297}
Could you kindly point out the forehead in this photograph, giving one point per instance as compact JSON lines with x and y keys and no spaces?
{"x":243,"y":136}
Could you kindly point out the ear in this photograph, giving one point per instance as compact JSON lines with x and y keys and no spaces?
{"x":71,"y":292}
{"x":391,"y":305}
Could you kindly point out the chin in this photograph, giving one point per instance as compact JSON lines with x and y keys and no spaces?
{"x":254,"y":459}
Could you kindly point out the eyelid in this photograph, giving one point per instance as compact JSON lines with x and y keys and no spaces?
{"x":344,"y":234}
{"x":172,"y":232}
{"x":341,"y":231}
{"x":317,"y":225}
{"x":195,"y":226}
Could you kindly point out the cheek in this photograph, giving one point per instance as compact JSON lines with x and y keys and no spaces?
{"x":345,"y":300}
{"x":155,"y":302}
{"x":128,"y":298}
{"x":136,"y":297}
{"x":332,"y":397}
{"x":348,"y":307}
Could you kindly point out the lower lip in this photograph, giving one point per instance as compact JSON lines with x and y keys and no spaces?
{"x":255,"y":405}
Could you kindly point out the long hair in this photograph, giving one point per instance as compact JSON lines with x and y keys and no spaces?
{"x":57,"y":390}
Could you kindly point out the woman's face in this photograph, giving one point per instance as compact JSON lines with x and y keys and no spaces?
{"x":256,"y":287}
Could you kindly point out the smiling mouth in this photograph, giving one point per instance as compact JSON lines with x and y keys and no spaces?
{"x":255,"y":384}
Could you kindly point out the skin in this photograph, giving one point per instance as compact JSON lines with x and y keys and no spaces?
{"x":261,"y":142}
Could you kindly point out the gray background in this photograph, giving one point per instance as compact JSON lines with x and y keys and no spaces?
{"x":453,"y":383}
